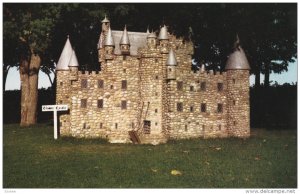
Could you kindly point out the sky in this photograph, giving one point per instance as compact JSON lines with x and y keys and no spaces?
{"x":13,"y":78}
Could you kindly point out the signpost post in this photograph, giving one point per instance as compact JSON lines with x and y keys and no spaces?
{"x":55,"y":108}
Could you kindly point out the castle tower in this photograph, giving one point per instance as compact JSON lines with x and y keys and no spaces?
{"x":100,"y":46}
{"x":124,"y":43}
{"x":73,"y":66}
{"x":109,"y":45}
{"x":63,"y":86}
{"x":171,"y":65}
{"x":163,"y":38}
{"x":151,"y":41}
{"x":238,"y":106}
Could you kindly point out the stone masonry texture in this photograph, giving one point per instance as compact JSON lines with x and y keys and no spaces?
{"x":160,"y":102}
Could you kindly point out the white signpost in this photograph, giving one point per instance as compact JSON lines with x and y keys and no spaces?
{"x":55,"y":108}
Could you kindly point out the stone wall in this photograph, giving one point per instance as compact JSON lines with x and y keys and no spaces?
{"x":238,"y":108}
{"x":155,"y":106}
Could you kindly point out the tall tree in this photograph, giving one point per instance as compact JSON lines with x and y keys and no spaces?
{"x":29,"y":27}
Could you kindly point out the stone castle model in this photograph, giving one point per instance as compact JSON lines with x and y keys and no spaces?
{"x":146,"y":91}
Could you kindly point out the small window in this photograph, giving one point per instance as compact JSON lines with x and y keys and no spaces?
{"x":203,"y":127}
{"x":60,"y":102}
{"x":185,"y":127}
{"x":220,"y":108}
{"x":84,"y":126}
{"x":124,"y":57}
{"x":234,"y":123}
{"x":124,"y":70}
{"x":101,"y":125}
{"x":191,"y":88}
{"x":191,"y":109}
{"x":83,"y":103}
{"x":156,"y":60}
{"x":111,"y":87}
{"x":116,"y":125}
{"x":147,"y":127}
{"x":123,"y":104}
{"x":233,"y":81}
{"x":155,"y":123}
{"x":84,"y":83}
{"x":170,"y":69}
{"x":155,"y":110}
{"x":100,"y":103}
{"x":179,"y":107}
{"x":203,"y":86}
{"x":180,"y":86}
{"x":156,"y":77}
{"x":220,"y":87}
{"x":61,"y":83}
{"x":124,"y":84}
{"x":100,"y":84}
{"x":203,"y":107}
{"x":233,"y":102}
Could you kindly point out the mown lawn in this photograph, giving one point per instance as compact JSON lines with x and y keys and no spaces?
{"x":32,"y":159}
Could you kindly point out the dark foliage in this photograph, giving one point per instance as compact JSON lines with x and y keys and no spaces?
{"x":274,"y":107}
{"x":12,"y":107}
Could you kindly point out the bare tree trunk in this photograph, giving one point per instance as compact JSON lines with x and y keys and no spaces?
{"x":257,"y":77}
{"x":51,"y":82}
{"x":24,"y":71}
{"x":267,"y":75}
{"x":5,"y":73}
{"x":29,"y":70}
{"x":35,"y":63}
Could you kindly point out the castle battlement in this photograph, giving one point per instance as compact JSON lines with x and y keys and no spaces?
{"x":146,"y":87}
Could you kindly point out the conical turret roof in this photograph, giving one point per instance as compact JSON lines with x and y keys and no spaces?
{"x":65,"y":56}
{"x":237,"y":59}
{"x":171,"y":58}
{"x":105,"y":20}
{"x":73,"y":61}
{"x":163,"y":34}
{"x":151,"y":35}
{"x":125,"y":38}
{"x":109,"y":41}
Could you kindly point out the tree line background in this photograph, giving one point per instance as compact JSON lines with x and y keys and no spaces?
{"x":34,"y":35}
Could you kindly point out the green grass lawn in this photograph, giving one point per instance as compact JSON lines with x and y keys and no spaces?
{"x":33,"y":159}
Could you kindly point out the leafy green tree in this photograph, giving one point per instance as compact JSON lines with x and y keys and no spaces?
{"x":27,"y":30}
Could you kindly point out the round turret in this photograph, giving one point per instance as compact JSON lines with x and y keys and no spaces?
{"x":124,"y":42}
{"x":237,"y":60}
{"x":109,"y":41}
{"x":171,"y":58}
{"x":105,"y":20}
{"x":65,"y":56}
{"x":163,"y":34}
{"x":73,"y":61}
{"x":171,"y":65}
{"x":151,"y":40}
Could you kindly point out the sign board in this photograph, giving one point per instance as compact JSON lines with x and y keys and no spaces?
{"x":60,"y":107}
{"x":55,"y":108}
